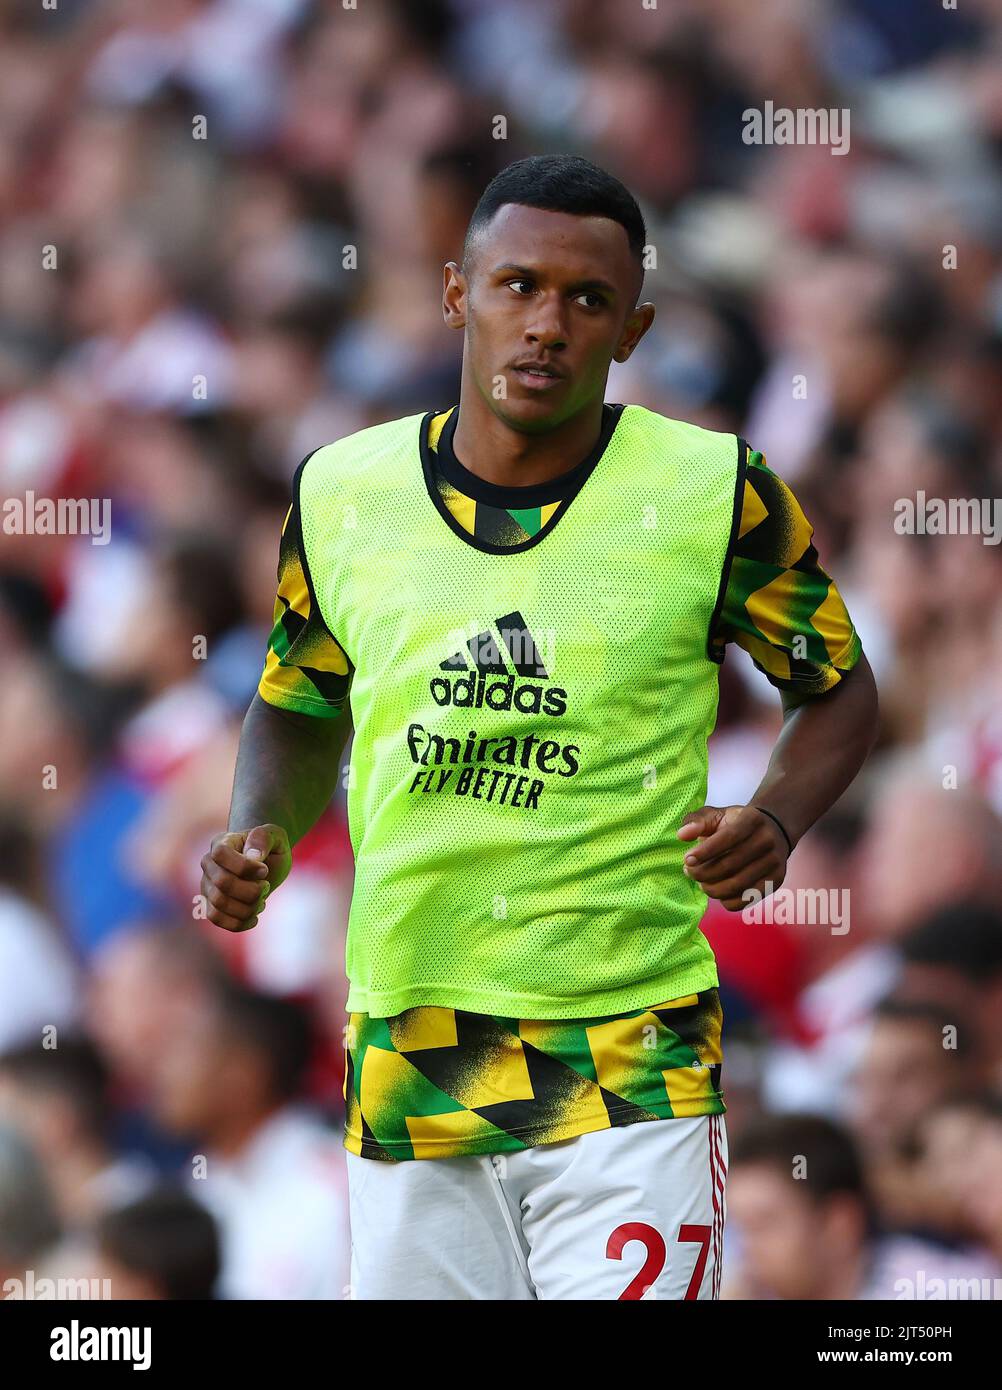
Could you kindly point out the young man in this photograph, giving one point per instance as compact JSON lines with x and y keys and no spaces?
{"x":809,"y":1227}
{"x":519,"y":604}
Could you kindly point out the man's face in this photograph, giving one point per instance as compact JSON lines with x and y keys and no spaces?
{"x":953,"y":1184}
{"x":904,"y":1073}
{"x":548,"y":286}
{"x":779,"y":1230}
{"x":195,"y":1075}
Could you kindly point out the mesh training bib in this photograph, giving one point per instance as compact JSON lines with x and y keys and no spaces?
{"x":530,"y":725}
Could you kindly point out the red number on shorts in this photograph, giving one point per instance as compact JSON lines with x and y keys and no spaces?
{"x":653,"y":1265}
{"x":701,"y":1235}
{"x":657,"y":1253}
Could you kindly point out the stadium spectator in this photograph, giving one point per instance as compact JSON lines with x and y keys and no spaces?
{"x":805,"y":1226}
{"x":165,"y":1245}
{"x":58,"y":1097}
{"x":954,"y":957}
{"x":915,"y":1057}
{"x":266,"y":1167}
{"x":29,"y":1222}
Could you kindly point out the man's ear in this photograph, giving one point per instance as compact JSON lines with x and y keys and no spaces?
{"x":454,"y":291}
{"x":636,"y":326}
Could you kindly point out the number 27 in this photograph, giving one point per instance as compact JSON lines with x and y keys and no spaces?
{"x":657,"y":1254}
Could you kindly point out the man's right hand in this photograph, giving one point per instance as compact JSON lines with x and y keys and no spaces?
{"x":240,"y":870}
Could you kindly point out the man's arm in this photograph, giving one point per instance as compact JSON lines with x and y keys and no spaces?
{"x":291,"y":743}
{"x":824,"y":742}
{"x":287,"y":766}
{"x":286,"y":772}
{"x":784,"y":609}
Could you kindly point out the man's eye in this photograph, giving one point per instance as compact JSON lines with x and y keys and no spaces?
{"x":597,"y":300}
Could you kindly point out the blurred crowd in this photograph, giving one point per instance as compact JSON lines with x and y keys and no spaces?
{"x":222,"y":228}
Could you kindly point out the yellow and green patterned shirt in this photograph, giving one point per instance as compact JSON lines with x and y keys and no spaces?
{"x":435,"y":1082}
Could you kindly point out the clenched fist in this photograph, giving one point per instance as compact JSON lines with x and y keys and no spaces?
{"x":740,"y":848}
{"x":239,"y":871}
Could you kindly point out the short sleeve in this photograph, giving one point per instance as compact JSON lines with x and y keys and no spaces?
{"x":305,"y":670}
{"x":779,"y":604}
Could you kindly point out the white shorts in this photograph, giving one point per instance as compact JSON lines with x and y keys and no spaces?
{"x":626,"y":1213}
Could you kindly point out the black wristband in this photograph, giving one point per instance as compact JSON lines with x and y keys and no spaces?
{"x":779,"y":823}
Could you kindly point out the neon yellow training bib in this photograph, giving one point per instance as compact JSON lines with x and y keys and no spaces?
{"x":530,"y":723}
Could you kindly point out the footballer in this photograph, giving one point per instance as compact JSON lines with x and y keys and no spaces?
{"x":517,"y":607}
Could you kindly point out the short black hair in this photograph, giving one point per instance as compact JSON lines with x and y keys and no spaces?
{"x":561,"y":183}
{"x":169,"y":1238}
{"x":279,"y":1030}
{"x":74,"y":1069}
{"x":202,"y":579}
{"x":832,"y":1163}
{"x":929,"y":1015}
{"x":965,"y":936}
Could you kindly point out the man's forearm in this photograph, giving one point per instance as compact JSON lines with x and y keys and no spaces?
{"x":823,"y":744}
{"x":287,"y":766}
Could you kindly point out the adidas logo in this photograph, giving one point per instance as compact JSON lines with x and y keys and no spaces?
{"x":492,"y":684}
{"x":484,"y":649}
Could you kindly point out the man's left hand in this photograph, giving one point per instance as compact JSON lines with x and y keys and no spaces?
{"x":740,"y":848}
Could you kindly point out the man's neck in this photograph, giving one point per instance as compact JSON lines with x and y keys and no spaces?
{"x":509,"y":458}
{"x":232,"y":1135}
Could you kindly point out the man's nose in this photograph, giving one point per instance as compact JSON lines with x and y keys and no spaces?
{"x":547,"y":326}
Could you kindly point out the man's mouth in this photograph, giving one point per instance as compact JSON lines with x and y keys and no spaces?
{"x":536,"y":374}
